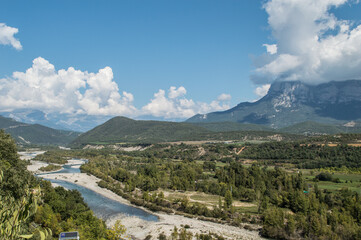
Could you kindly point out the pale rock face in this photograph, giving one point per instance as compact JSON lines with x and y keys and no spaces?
{"x":286,"y":99}
{"x":288,"y":103}
{"x":290,"y":94}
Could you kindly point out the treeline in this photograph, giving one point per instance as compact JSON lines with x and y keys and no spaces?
{"x":315,"y":215}
{"x":30,"y":207}
{"x":342,"y":138}
{"x":65,"y":210}
{"x":50,"y":167}
{"x":305,"y":155}
{"x":287,"y":207}
{"x":52,"y":156}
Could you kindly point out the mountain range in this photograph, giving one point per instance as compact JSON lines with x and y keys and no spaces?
{"x":126,"y":130}
{"x":288,"y":107}
{"x":35,"y":134}
{"x":63,"y":121}
{"x":289,"y":103}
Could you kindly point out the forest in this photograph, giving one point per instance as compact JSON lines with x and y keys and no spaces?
{"x":288,"y":204}
{"x":32,"y":208}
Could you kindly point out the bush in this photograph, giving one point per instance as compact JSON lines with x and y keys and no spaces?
{"x":324,"y":177}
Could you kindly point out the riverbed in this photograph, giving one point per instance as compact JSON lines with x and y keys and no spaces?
{"x":101,"y":201}
{"x":138,"y":222}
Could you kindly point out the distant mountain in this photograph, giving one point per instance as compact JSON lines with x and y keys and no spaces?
{"x":27,"y":134}
{"x":78,"y":123}
{"x":289,"y":103}
{"x":125,"y":130}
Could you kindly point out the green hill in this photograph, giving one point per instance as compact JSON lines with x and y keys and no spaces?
{"x":28,"y":134}
{"x":125,"y":130}
{"x":121,"y":129}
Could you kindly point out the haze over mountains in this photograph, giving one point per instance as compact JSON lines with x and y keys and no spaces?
{"x":289,"y":103}
{"x":288,"y":107}
{"x":78,"y":123}
{"x":28,"y":134}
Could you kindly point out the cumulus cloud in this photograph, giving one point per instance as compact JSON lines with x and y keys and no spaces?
{"x":177,"y":106}
{"x":262,"y":90}
{"x":75,"y":92}
{"x":7,"y":36}
{"x":65,"y":91}
{"x":224,"y":97}
{"x":271,"y":48}
{"x":313,"y":46}
{"x":174,"y":92}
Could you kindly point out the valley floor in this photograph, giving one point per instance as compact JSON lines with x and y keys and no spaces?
{"x":139,"y":228}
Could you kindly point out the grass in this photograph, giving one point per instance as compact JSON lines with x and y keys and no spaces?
{"x":200,"y":162}
{"x":221,"y":164}
{"x":250,"y":141}
{"x":250,"y":210}
{"x":350,"y":181}
{"x":211,"y":200}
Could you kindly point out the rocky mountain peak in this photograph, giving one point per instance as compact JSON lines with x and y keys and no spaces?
{"x":287,"y":94}
{"x":288,"y":103}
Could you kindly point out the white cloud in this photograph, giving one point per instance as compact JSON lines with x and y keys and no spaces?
{"x":313,"y":46}
{"x":262,"y":90}
{"x":224,"y":97}
{"x":7,"y":36}
{"x":174,"y":92}
{"x":74,"y":92}
{"x":271,"y":48}
{"x":177,"y":106}
{"x":65,"y":91}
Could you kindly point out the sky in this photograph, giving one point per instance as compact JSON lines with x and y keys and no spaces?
{"x":169,"y":59}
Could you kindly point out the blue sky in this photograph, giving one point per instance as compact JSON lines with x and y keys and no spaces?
{"x":205,"y":46}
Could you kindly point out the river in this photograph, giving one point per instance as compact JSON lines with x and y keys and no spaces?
{"x":139,"y":223}
{"x":102,"y":207}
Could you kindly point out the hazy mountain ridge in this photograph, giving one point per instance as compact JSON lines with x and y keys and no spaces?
{"x":78,"y":123}
{"x":26,"y":134}
{"x":289,"y":103}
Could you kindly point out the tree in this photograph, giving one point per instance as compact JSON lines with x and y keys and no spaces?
{"x":14,"y":213}
{"x":228,"y":199}
{"x":117,"y":231}
{"x":174,"y":235}
{"x":15,"y":175}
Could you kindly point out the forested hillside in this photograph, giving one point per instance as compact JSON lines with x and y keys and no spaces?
{"x":28,"y":134}
{"x":305,"y":155}
{"x":30,"y":206}
{"x":125,"y":130}
{"x":231,"y":189}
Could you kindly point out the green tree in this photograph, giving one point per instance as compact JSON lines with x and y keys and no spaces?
{"x":14,"y":214}
{"x":117,"y":231}
{"x":228,"y":199}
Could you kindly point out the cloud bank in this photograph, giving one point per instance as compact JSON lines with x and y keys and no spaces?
{"x":76,"y":92}
{"x":312,"y":45}
{"x":175,"y":105}
{"x":7,"y":36}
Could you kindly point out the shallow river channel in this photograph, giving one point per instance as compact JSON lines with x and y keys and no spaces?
{"x":103,"y":207}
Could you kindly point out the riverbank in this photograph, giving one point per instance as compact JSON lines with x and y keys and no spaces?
{"x":139,"y":228}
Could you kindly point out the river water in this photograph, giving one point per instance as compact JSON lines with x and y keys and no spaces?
{"x":102,"y":207}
